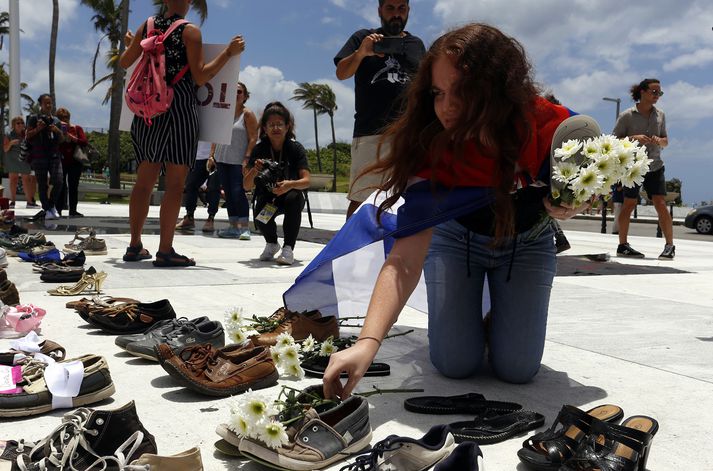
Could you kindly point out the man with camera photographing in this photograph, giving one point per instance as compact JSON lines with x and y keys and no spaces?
{"x":45,"y":133}
{"x":381,"y":61}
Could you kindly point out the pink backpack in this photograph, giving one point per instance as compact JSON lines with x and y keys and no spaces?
{"x":148,"y":94}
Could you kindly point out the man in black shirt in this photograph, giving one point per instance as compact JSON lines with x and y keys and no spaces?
{"x":382,"y":61}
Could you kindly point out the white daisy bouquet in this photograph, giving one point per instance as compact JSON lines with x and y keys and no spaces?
{"x":583,"y":169}
{"x":255,"y":416}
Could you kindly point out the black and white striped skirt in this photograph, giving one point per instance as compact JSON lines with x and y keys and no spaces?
{"x":172,"y":136}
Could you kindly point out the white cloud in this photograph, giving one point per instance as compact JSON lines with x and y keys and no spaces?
{"x":268,"y":83}
{"x":36,"y":16}
{"x":697,"y":59}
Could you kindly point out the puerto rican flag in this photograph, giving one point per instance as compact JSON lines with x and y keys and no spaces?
{"x":340,"y":280}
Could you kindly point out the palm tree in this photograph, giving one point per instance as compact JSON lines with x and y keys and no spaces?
{"x":308,"y":94}
{"x":4,"y":26}
{"x":53,"y":46}
{"x":327,"y":101}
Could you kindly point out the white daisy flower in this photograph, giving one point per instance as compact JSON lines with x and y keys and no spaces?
{"x":606,"y":165}
{"x":290,"y":354}
{"x":273,"y":434}
{"x":590,"y":149}
{"x":568,"y":149}
{"x":240,"y":425}
{"x":256,"y":408}
{"x":589,"y":179}
{"x":234,"y":316}
{"x":634,"y":175}
{"x":608,"y":145}
{"x":555,"y":193}
{"x":237,"y":335}
{"x":276,"y":355}
{"x":308,"y":344}
{"x":327,"y":348}
{"x":564,"y":172}
{"x":295,"y":369}
{"x":284,"y":339}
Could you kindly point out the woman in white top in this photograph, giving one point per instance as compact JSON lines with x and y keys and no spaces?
{"x":230,"y":160}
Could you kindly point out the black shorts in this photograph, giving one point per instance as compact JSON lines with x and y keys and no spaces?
{"x":654,"y":184}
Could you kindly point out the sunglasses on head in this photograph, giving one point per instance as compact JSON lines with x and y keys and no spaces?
{"x":655,"y":92}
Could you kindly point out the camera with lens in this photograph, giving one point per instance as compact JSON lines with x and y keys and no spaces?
{"x":47,"y":119}
{"x":271,"y":173}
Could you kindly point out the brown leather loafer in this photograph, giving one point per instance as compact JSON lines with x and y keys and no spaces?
{"x":218,"y":373}
{"x":301,"y":326}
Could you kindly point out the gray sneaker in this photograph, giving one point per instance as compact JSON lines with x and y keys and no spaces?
{"x":669,"y":251}
{"x":396,"y":452}
{"x":188,"y":334}
{"x":157,"y":330}
{"x":319,"y":439}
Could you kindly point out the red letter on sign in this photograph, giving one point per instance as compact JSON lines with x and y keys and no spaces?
{"x":221,"y":103}
{"x":208,"y":98}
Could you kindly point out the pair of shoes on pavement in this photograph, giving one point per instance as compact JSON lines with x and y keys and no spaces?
{"x":626,"y":250}
{"x":240,"y":233}
{"x":286,"y":257}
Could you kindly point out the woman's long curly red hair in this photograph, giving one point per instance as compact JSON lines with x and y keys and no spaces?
{"x":496,"y":91}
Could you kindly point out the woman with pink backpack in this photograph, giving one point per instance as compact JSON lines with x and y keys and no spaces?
{"x":170,"y":137}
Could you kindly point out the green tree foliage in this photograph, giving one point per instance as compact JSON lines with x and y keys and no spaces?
{"x":308,"y":94}
{"x":674,"y":185}
{"x":100,"y":141}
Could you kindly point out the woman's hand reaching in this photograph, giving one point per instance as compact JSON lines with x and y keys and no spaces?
{"x":354,"y":361}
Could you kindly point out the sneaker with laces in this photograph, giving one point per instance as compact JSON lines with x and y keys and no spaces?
{"x":229,"y":233}
{"x":467,"y":455}
{"x":269,"y":252}
{"x":52,"y":214}
{"x":244,"y":234}
{"x":286,"y":257}
{"x":669,"y":252}
{"x":625,"y":250}
{"x":188,"y":334}
{"x":396,"y":452}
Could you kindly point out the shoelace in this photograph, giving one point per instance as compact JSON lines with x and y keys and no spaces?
{"x":198,"y":356}
{"x":369,"y":460}
{"x":66,"y":440}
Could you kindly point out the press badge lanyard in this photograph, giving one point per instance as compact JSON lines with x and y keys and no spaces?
{"x":270,"y":209}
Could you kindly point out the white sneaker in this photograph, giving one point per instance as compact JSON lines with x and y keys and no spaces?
{"x":269,"y":252}
{"x":286,"y":257}
{"x":52,"y":214}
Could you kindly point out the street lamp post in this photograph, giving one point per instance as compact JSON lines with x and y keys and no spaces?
{"x":603,"y":202}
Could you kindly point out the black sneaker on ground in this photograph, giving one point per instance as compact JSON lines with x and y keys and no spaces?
{"x":159,"y":329}
{"x":669,"y":252}
{"x":190,"y":333}
{"x":625,"y":250}
{"x":39,"y":215}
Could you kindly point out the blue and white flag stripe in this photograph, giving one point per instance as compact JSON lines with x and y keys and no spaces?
{"x":340,"y":280}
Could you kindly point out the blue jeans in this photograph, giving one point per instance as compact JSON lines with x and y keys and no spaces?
{"x":519,"y":296}
{"x":231,"y":178}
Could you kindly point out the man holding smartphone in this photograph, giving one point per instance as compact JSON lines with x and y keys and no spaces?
{"x":381,"y":61}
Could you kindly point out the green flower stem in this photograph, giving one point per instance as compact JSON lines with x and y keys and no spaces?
{"x":398,"y":335}
{"x":385,"y":391}
{"x":351,"y":318}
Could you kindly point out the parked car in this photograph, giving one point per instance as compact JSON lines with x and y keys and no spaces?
{"x":701,"y":219}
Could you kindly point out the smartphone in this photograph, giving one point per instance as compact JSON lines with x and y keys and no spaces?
{"x":390,"y":45}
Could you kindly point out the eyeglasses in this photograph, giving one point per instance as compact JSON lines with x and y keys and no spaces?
{"x":655,"y":92}
{"x":275,"y":125}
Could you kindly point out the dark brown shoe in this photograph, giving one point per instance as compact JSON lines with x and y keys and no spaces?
{"x":215,"y":373}
{"x":8,"y":293}
{"x":301,"y":326}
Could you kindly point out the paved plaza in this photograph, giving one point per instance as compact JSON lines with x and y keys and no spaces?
{"x":636,"y":333}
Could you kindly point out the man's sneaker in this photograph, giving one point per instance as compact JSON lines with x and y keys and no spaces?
{"x":625,"y":250}
{"x":286,"y":257}
{"x":89,"y":245}
{"x":187,"y":223}
{"x":669,"y":251}
{"x":319,"y":439}
{"x":229,"y":233}
{"x":467,"y":455}
{"x":269,"y":252}
{"x":396,"y":452}
{"x":244,"y":234}
{"x":159,"y":329}
{"x":51,"y":214}
{"x":86,"y":439}
{"x":188,"y":334}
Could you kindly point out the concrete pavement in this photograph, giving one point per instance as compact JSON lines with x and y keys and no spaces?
{"x":642,"y":341}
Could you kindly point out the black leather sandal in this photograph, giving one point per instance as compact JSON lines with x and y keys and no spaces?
{"x":611,"y":447}
{"x":172,"y":259}
{"x":467,"y":404}
{"x":548,"y":450}
{"x":136,"y":254}
{"x":496,"y":429}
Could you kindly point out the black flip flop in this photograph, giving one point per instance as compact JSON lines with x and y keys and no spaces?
{"x":471,"y":403}
{"x":172,"y":259}
{"x":136,"y":254}
{"x":315,"y":368}
{"x":489,"y":430}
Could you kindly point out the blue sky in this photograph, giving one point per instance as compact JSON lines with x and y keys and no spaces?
{"x":582,"y":51}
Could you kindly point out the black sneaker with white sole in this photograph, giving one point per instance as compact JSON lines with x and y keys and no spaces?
{"x":669,"y":252}
{"x":625,"y":250}
{"x":190,"y":333}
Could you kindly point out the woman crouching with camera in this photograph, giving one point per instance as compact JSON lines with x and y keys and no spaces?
{"x":278,"y":170}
